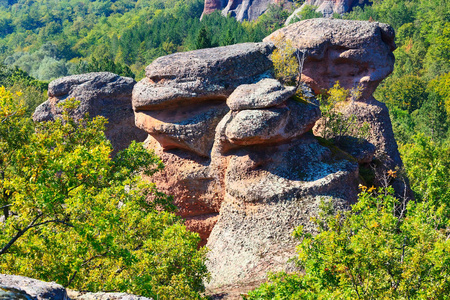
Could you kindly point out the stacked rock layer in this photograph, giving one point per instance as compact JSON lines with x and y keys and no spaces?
{"x":240,"y":152}
{"x":241,"y":159}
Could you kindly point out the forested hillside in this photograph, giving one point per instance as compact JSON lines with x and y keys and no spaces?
{"x":398,"y":251}
{"x":50,"y":39}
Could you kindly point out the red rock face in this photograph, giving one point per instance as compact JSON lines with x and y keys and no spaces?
{"x":336,"y":6}
{"x":240,"y":9}
{"x":212,"y":5}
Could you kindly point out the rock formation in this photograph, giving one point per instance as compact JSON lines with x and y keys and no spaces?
{"x":240,"y":9}
{"x":355,"y":54}
{"x":241,"y":159}
{"x":326,"y":7}
{"x":19,"y":287}
{"x":13,"y":287}
{"x":105,"y":94}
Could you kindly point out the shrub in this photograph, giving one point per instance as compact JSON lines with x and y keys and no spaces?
{"x":73,"y":214}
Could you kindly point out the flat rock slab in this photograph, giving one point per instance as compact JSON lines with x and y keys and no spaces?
{"x":202,"y":74}
{"x":266,"y":93}
{"x":23,"y":287}
{"x":74,"y":295}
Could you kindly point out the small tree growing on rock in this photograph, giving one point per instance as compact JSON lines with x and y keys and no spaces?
{"x":285,"y":63}
{"x":383,"y":248}
{"x":335,"y":124}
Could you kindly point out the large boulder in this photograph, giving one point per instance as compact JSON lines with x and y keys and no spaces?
{"x":200,"y":75}
{"x":19,"y":287}
{"x":100,"y":94}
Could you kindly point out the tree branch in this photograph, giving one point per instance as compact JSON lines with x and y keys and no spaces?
{"x":32,"y":224}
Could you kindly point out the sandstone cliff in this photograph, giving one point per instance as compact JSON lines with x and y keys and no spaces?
{"x":251,"y":10}
{"x":326,"y":7}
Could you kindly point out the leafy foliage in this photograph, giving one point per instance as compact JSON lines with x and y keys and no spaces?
{"x":104,"y":64}
{"x":380,"y":249}
{"x":73,"y":214}
{"x":335,"y":123}
{"x":428,"y":166}
{"x":285,"y":63}
{"x":32,"y":91}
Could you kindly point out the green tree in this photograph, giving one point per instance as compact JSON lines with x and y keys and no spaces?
{"x":381,"y":249}
{"x":432,"y":118}
{"x":73,"y":214}
{"x":105,"y":65}
{"x":428,"y":166}
{"x":407,"y":92}
{"x":285,"y":63}
{"x":335,"y":124}
{"x":203,"y":39}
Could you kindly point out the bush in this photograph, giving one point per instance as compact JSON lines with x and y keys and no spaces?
{"x":73,"y":214}
{"x":382,"y":248}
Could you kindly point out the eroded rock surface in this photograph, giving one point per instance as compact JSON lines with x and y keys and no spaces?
{"x":240,"y":9}
{"x":241,"y":158}
{"x":100,"y":94}
{"x":357,"y":54}
{"x":31,"y":289}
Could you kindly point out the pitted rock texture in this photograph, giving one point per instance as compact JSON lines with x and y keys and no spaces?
{"x":239,"y":9}
{"x":100,"y":94}
{"x":351,"y":52}
{"x":241,"y":158}
{"x":355,"y":53}
{"x":35,"y":289}
{"x":327,"y":7}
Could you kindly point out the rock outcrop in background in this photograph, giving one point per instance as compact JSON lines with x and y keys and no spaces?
{"x":100,"y":94}
{"x":327,"y":8}
{"x":251,"y":9}
{"x":240,"y":152}
{"x":240,"y":9}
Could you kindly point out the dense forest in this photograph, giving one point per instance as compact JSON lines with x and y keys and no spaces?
{"x":45,"y":39}
{"x":50,"y":39}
